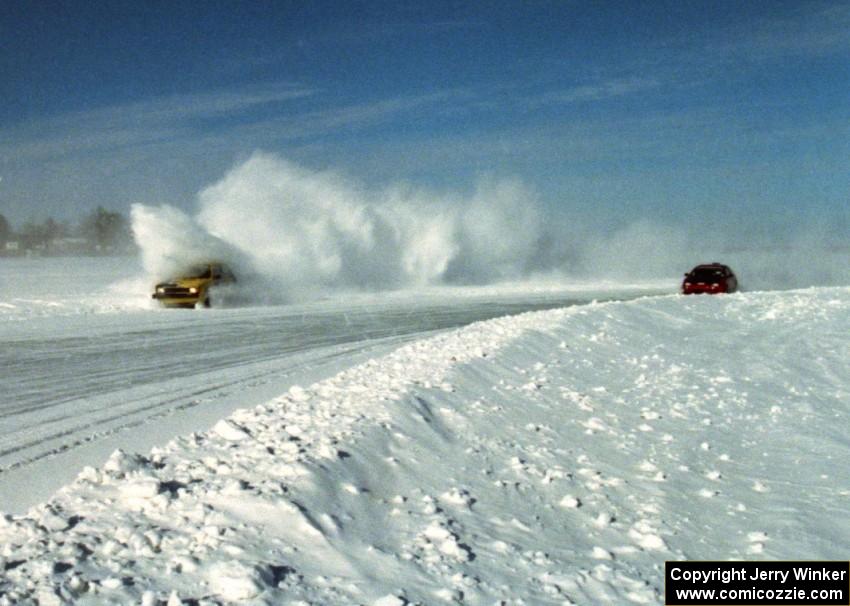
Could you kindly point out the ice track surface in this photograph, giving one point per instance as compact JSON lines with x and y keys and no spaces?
{"x":88,"y":364}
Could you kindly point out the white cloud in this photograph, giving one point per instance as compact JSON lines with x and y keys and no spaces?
{"x":166,"y":120}
{"x":596,"y":91}
{"x":812,"y":30}
{"x":133,"y":124}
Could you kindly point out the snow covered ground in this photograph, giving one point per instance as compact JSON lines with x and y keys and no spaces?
{"x":553,"y":457}
{"x":88,"y":362}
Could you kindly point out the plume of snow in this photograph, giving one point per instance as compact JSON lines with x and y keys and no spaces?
{"x":305,"y":232}
{"x":301,"y":233}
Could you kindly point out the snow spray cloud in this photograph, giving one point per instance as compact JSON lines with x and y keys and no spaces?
{"x":171,"y":241}
{"x":644,"y":249}
{"x":295,"y":234}
{"x":304,"y":232}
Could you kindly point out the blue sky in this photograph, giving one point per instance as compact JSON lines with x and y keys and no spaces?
{"x":717,"y":112}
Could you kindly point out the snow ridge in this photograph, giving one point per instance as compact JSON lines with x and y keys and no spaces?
{"x":212,"y":517}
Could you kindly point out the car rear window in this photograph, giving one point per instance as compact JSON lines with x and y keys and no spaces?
{"x":706,"y":275}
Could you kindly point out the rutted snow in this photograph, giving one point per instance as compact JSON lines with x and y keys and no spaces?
{"x":552,"y":457}
{"x":90,"y":368}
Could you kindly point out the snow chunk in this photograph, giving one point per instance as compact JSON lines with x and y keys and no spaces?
{"x":644,"y":536}
{"x":235,"y":581}
{"x":570,"y":502}
{"x":447,"y":542}
{"x":600,"y":553}
{"x":120,"y":464}
{"x":51,"y":519}
{"x":298,"y":393}
{"x":141,"y":487}
{"x":230,"y":431}
{"x":459,"y":497}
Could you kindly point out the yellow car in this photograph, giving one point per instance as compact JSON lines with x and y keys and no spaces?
{"x":192,"y":288}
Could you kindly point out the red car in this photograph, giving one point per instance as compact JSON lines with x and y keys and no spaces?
{"x":710,"y":279}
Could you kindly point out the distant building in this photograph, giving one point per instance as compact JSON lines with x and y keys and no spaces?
{"x":69,"y":246}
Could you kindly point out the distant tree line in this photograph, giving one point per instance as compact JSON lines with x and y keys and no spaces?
{"x":100,"y":232}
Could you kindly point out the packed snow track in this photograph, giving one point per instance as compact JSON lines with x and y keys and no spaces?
{"x":80,"y":366}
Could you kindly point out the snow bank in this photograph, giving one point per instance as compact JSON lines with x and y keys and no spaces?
{"x":552,"y":457}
